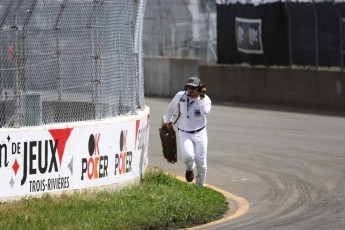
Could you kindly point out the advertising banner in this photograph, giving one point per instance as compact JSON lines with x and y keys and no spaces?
{"x":85,"y":155}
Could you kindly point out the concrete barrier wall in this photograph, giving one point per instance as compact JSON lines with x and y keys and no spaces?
{"x":226,"y":83}
{"x":292,"y":87}
{"x":166,"y":76}
{"x":73,"y":156}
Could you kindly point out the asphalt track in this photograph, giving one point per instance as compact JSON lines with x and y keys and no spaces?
{"x":281,"y":168}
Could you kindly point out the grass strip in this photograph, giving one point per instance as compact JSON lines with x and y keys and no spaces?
{"x":159,"y":201}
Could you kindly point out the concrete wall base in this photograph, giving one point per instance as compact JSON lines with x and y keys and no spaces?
{"x":226,"y":83}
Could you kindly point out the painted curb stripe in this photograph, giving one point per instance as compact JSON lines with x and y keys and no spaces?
{"x":242,"y":206}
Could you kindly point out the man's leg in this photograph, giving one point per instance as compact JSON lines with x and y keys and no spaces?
{"x":187,"y":152}
{"x":200,"y":141}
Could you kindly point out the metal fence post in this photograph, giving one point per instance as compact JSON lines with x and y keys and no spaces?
{"x":288,"y":17}
{"x":340,"y":35}
{"x":316,"y":36}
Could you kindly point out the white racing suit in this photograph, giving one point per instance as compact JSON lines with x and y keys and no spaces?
{"x":192,"y":131}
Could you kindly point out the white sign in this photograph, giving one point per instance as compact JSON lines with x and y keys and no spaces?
{"x":248,"y":35}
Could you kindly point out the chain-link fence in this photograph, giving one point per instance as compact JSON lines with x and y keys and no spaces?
{"x":69,"y":60}
{"x":181,"y":28}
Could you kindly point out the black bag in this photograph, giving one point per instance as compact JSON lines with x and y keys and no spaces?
{"x":168,"y":139}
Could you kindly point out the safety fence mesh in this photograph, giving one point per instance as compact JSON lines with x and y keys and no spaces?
{"x":69,"y":60}
{"x":181,"y":28}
